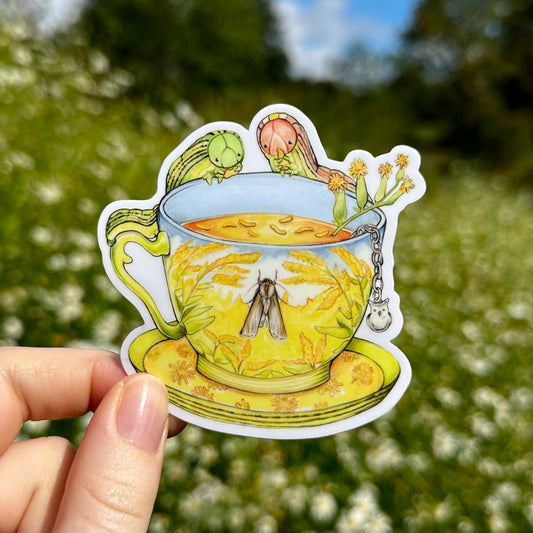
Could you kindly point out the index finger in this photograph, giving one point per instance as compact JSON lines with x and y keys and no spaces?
{"x":51,"y":383}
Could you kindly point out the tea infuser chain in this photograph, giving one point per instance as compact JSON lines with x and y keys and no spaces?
{"x":379,"y":319}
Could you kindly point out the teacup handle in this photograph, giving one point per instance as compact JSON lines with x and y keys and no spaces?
{"x":158,"y":247}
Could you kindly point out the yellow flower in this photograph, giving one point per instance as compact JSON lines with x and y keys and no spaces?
{"x":385,"y":169}
{"x":358,"y":169}
{"x":402,"y":160}
{"x":362,"y":374}
{"x":336,"y":182}
{"x":284,"y":404}
{"x":182,"y":372}
{"x":243,"y":404}
{"x":407,"y":184}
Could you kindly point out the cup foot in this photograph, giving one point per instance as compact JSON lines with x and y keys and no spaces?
{"x":283,"y":385}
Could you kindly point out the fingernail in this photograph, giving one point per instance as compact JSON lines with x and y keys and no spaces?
{"x":143,"y":412}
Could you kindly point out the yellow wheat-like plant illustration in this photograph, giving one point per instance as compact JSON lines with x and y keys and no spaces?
{"x":347,"y":288}
{"x":190,"y":270}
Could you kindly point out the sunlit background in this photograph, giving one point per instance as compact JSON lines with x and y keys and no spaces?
{"x":94,"y":95}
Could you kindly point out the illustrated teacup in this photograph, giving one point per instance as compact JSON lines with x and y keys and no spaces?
{"x":262,"y":286}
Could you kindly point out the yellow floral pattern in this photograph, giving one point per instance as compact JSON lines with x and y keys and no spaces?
{"x":353,"y":377}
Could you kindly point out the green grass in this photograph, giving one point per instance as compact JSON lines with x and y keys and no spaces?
{"x":454,"y":455}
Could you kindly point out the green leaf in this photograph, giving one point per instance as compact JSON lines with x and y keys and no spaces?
{"x":339,"y":333}
{"x":194,"y":326}
{"x":345,"y":312}
{"x":347,"y":326}
{"x":194,"y":311}
{"x":193,"y":299}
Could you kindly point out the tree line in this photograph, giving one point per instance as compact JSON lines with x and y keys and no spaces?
{"x":461,"y":83}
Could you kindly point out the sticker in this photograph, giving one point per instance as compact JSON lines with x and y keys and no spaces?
{"x":263,"y":272}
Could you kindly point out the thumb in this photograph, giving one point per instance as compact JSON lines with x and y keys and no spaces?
{"x":113,"y":481}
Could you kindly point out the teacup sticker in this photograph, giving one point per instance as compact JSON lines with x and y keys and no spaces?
{"x":263,"y":272}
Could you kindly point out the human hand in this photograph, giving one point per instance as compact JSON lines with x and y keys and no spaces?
{"x":111,"y":481}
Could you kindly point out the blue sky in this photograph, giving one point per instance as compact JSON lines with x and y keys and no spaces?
{"x":316,"y":32}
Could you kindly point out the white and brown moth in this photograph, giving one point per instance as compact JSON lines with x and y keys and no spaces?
{"x":265,"y":311}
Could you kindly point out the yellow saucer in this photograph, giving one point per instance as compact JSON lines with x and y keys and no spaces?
{"x":360,"y":378}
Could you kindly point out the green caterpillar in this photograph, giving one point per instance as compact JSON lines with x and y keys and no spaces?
{"x":218,"y":154}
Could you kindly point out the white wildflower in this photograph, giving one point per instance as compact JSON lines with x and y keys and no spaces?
{"x":276,"y":479}
{"x":528,"y":510}
{"x":99,"y":170}
{"x":191,"y":505}
{"x":466,"y":525}
{"x":443,"y":511}
{"x":192,"y":436}
{"x":522,"y":398}
{"x":488,"y":466}
{"x":379,"y":523}
{"x":185,"y":112}
{"x":323,"y":507}
{"x":266,"y":524}
{"x":56,"y":262}
{"x":175,"y":471}
{"x":98,"y":62}
{"x":41,"y":235}
{"x":351,"y":520}
{"x":87,"y":206}
{"x":498,"y":523}
{"x":310,"y":473}
{"x":69,"y":305}
{"x":170,"y":121}
{"x":469,"y":452}
{"x":208,"y":455}
{"x":89,"y":105}
{"x":229,"y":448}
{"x":238,"y":471}
{"x":107,"y":327}
{"x":48,"y":193}
{"x":519,"y":310}
{"x":80,"y":260}
{"x":82,"y":239}
{"x":419,"y":462}
{"x":482,"y":426}
{"x":122,"y":78}
{"x":236,"y":519}
{"x":448,"y":397}
{"x":295,"y":499}
{"x":385,"y":456}
{"x":481,"y":367}
{"x":508,"y":492}
{"x":21,"y":160}
{"x":11,"y":299}
{"x":106,"y":288}
{"x":486,"y":397}
{"x":21,"y":55}
{"x":472,"y":331}
{"x":159,"y":523}
{"x":12,"y":328}
{"x":445,"y":443}
{"x":17,"y":77}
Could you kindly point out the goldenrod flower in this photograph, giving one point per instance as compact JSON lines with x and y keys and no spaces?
{"x":402,"y":160}
{"x":358,"y":169}
{"x":336,"y":182}
{"x":385,"y":169}
{"x":407,"y":185}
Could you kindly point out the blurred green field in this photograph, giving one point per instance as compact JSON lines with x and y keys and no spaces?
{"x":456,"y":452}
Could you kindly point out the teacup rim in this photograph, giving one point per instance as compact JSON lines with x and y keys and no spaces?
{"x":380,"y":224}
